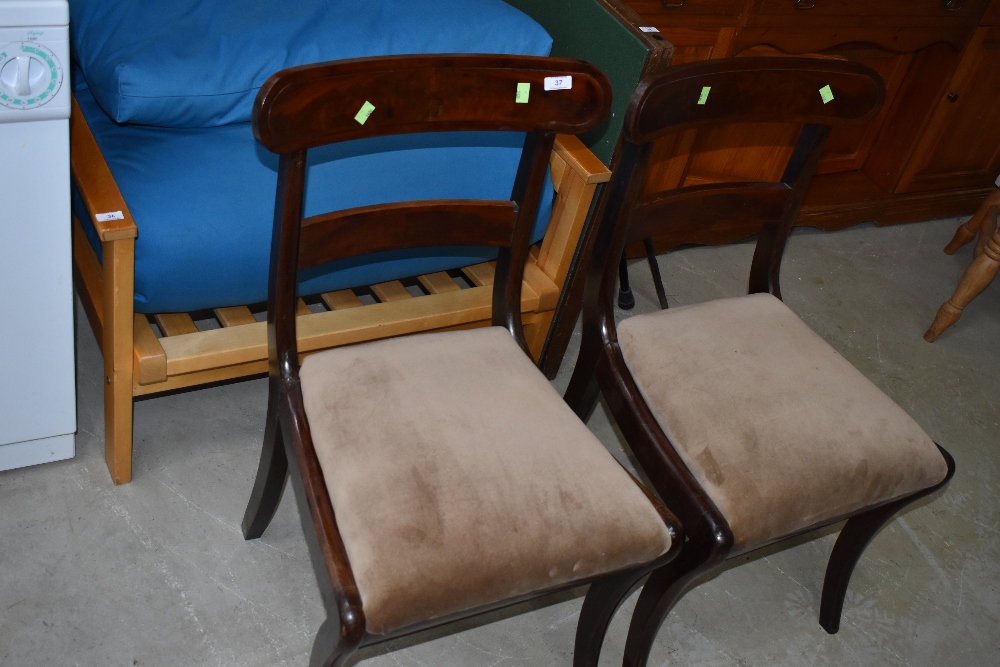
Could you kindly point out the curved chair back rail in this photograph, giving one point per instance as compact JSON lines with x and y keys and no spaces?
{"x":313,"y":105}
{"x":746,"y":90}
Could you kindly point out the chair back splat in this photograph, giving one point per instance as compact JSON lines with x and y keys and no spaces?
{"x":712,"y":93}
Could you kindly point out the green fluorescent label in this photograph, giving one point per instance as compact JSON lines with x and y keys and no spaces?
{"x":704,"y":94}
{"x":826,"y":94}
{"x":366,"y":110}
{"x":523,"y":90}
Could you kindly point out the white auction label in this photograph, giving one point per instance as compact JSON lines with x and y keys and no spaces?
{"x":648,"y":28}
{"x":558,"y":82}
{"x":107,"y":217}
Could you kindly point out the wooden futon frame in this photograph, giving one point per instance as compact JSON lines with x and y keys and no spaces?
{"x":231,"y":342}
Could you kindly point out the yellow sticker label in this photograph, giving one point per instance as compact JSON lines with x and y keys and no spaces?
{"x":365,"y":112}
{"x":704,"y":94}
{"x":522,"y":93}
{"x":826,"y":94}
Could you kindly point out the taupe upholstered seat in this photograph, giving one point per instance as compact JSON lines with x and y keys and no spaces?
{"x":780,"y":430}
{"x":459,"y":477}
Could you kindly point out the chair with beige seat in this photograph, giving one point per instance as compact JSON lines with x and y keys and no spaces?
{"x":750,"y":426}
{"x":437,"y":475}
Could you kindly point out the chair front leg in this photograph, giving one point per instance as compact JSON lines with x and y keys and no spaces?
{"x":599,"y":607}
{"x":119,"y":293}
{"x":271,"y":473}
{"x":854,"y":537}
{"x":665,"y":587}
{"x":329,"y":650}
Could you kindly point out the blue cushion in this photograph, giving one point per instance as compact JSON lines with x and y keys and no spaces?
{"x":199,"y":63}
{"x":203,"y":199}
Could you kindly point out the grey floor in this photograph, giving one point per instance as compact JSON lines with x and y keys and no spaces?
{"x":156,"y":572}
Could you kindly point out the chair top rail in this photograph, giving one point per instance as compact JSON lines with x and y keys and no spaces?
{"x":792,"y":90}
{"x":314,"y":105}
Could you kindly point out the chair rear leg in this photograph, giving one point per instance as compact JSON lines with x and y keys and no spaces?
{"x":854,"y":537}
{"x":599,"y":607}
{"x":271,"y":474}
{"x":654,"y":268}
{"x":583,"y":390}
{"x":625,"y":299}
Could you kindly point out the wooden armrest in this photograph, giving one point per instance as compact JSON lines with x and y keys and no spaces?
{"x":581,"y":160}
{"x":95,"y":183}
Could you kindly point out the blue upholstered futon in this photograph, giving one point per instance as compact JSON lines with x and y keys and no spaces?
{"x":167,"y":90}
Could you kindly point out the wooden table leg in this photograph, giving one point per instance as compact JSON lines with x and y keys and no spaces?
{"x":980,"y":273}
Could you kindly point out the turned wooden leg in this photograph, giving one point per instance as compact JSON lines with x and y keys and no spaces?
{"x":986,"y":231}
{"x":271,"y":474}
{"x":980,"y":273}
{"x":968,"y":231}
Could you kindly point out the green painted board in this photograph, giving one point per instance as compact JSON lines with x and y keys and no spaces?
{"x":583,"y":29}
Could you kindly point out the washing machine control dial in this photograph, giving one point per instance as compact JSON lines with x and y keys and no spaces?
{"x":30,"y":75}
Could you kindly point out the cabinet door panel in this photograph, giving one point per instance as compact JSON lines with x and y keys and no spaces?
{"x":961,"y":147}
{"x":848,"y":147}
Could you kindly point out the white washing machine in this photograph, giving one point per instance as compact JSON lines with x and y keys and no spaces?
{"x":37,"y":369}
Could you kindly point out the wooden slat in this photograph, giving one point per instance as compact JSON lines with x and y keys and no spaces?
{"x":203,"y":377}
{"x":175,"y":324}
{"x":92,"y":289}
{"x":234,"y":316}
{"x":237,"y":345}
{"x":301,"y":308}
{"x":149,"y":361}
{"x":480,"y":275}
{"x":94,"y":181}
{"x":438,"y":283}
{"x":391,"y":291}
{"x":341,"y":300}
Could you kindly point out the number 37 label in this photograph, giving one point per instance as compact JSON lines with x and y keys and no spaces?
{"x":559,"y":82}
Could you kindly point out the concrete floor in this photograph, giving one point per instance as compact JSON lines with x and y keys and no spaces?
{"x":156,"y":572}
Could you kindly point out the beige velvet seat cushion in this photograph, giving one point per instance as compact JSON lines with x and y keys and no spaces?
{"x":459,"y":477}
{"x":781,"y":431}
